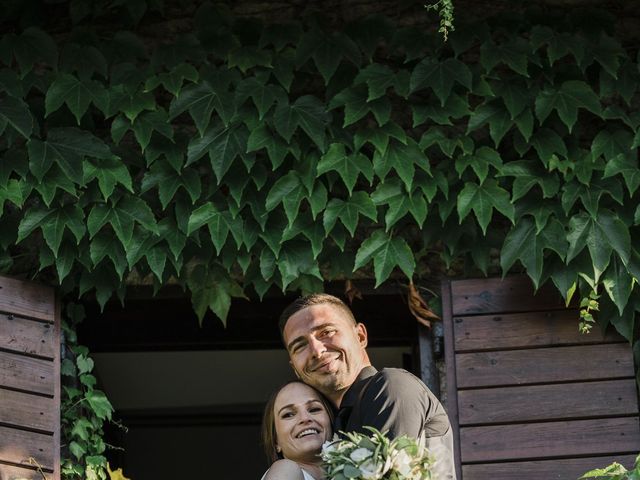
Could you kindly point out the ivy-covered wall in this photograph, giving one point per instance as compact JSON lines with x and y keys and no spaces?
{"x":238,"y":156}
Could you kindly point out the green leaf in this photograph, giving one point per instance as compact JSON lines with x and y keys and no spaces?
{"x":136,"y":210}
{"x":348,"y":211}
{"x":369,"y":248}
{"x":99,"y":404}
{"x":201,"y":216}
{"x":82,"y":428}
{"x":34,"y":45}
{"x":455,"y":107}
{"x":440,"y":76}
{"x":378,"y":79}
{"x":496,"y":116}
{"x":67,"y":147}
{"x":201,"y":101}
{"x":246,"y":57}
{"x":548,"y":143}
{"x":601,"y":235}
{"x":482,"y":199}
{"x":262,"y":137}
{"x":355,"y":104}
{"x":627,"y":167}
{"x":296,"y":259}
{"x":571,"y":96}
{"x":109,"y":173}
{"x":15,"y":112}
{"x":148,"y":122}
{"x":157,"y":259}
{"x":515,"y":95}
{"x":349,"y":167}
{"x":76,"y":94}
{"x":282,"y":188}
{"x":526,"y":244}
{"x":618,"y":284}
{"x":308,"y":113}
{"x":395,"y":252}
{"x":607,"y":52}
{"x":33,"y":218}
{"x":513,"y":53}
{"x":225,"y":147}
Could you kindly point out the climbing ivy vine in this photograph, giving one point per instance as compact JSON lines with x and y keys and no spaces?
{"x":238,"y":156}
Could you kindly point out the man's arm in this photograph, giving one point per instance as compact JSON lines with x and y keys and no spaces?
{"x":399,"y":403}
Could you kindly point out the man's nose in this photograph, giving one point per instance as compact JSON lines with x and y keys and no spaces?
{"x":317,"y":347}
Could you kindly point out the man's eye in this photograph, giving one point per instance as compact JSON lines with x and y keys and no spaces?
{"x":328,"y":332}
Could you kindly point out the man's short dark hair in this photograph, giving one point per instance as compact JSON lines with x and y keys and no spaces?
{"x":301,"y":303}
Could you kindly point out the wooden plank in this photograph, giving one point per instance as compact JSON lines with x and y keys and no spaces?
{"x":57,"y":326}
{"x":494,"y":295}
{"x":10,"y":472}
{"x":26,"y":410}
{"x":26,"y":336}
{"x":544,"y":365}
{"x":27,"y":299}
{"x":564,"y":469}
{"x":550,"y":439}
{"x":450,"y":363}
{"x":18,"y":446}
{"x":520,"y":330}
{"x":548,"y":402}
{"x":26,"y":373}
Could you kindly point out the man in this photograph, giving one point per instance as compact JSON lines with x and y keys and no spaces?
{"x":327,"y":350}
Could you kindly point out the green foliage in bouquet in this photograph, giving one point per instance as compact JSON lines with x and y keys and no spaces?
{"x":615,"y":471}
{"x":376,"y":457}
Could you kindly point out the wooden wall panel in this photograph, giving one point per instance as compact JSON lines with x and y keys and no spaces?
{"x":28,"y":411}
{"x":11,"y":472}
{"x":26,"y":373}
{"x":543,"y":365}
{"x":566,"y":469}
{"x":524,"y":330}
{"x":549,"y":439}
{"x":494,"y":295}
{"x":27,"y":299}
{"x":23,"y":335}
{"x":29,"y":380}
{"x":547,"y":402}
{"x":528,"y":396}
{"x":18,"y":446}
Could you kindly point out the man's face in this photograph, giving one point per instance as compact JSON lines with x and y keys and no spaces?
{"x":326,"y":349}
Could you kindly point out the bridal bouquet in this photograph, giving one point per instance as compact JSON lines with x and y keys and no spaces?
{"x":375,"y":457}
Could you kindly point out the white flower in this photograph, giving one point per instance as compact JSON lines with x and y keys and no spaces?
{"x":328,"y":447}
{"x":360,"y":454}
{"x":402,"y":463}
{"x":370,"y":471}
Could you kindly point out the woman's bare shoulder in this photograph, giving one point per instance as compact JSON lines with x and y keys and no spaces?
{"x":284,"y":470}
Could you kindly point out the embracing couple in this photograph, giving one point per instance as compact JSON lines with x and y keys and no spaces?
{"x":339,"y":391}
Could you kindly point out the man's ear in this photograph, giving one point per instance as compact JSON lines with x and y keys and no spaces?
{"x":361,"y":331}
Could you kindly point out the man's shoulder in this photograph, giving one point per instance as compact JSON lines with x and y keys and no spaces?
{"x":397,"y":378}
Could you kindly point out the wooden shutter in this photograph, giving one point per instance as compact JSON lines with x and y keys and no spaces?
{"x":528,"y":395}
{"x":29,"y":381}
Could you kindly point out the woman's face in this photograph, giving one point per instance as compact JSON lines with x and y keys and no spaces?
{"x":302,"y":422}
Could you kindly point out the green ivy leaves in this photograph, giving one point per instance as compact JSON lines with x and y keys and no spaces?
{"x":308,"y":154}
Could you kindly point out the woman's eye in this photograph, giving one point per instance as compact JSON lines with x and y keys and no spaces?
{"x":315,"y":410}
{"x":287,"y":415}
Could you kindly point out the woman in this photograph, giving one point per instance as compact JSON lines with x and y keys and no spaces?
{"x":296,"y":422}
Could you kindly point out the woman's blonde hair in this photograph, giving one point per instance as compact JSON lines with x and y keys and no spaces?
{"x":269,"y":440}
